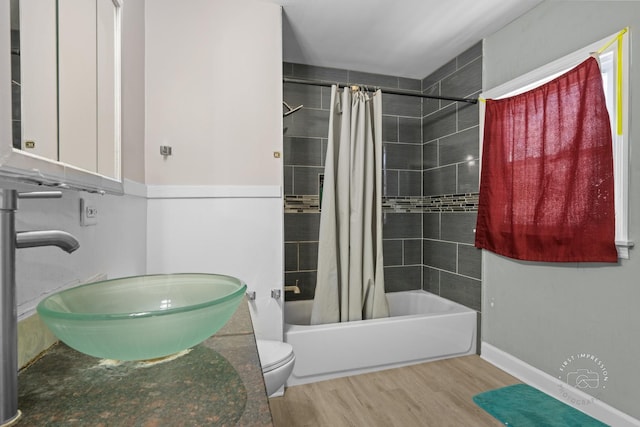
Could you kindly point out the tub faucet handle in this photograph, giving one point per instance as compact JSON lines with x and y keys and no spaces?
{"x":276,"y":293}
{"x":251,"y":295}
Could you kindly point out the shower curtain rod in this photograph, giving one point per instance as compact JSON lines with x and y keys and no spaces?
{"x":390,"y":91}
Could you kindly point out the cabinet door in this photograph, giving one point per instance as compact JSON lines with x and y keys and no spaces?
{"x":38,"y":78}
{"x":77,"y":90}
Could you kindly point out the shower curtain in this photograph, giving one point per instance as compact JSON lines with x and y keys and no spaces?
{"x":350,"y":277}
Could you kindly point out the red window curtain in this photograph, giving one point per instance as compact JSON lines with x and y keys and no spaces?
{"x":546,"y":187}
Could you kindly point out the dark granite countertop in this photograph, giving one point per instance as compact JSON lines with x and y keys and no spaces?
{"x":216,"y":383}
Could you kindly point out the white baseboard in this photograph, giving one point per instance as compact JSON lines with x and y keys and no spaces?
{"x":556,"y":388}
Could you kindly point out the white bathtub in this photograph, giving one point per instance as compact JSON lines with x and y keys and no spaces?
{"x":422,"y":327}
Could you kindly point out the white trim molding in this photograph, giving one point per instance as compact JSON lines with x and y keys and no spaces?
{"x":134,"y":188}
{"x":556,"y":388}
{"x":213,"y":191}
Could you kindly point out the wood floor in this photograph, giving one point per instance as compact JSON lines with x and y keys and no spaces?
{"x":430,"y":394}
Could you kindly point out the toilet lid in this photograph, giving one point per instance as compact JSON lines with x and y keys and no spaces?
{"x":274,"y":354}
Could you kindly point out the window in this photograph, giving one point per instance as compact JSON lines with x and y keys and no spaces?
{"x":614,"y":64}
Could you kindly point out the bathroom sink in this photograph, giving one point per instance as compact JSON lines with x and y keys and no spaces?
{"x":142,"y":317}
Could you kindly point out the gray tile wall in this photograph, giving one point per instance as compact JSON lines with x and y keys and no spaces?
{"x":305,"y":142}
{"x":450,"y":134}
{"x":431,"y":149}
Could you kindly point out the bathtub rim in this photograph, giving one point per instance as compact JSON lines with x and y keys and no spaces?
{"x":458,"y":309}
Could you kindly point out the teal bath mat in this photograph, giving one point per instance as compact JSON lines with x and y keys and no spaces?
{"x":521,"y":405}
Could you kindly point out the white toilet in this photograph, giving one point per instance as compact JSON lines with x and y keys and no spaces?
{"x":277,"y":360}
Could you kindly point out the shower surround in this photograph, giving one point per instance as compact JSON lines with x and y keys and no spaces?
{"x":431,"y":153}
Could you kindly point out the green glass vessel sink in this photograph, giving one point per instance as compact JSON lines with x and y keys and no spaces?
{"x":142,"y":317}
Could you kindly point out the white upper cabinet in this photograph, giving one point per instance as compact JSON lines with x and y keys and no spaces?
{"x":64,"y":72}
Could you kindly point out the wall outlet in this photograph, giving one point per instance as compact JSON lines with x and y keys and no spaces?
{"x":88,"y":213}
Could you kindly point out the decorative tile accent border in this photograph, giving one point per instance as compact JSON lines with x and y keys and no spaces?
{"x":402,"y":204}
{"x":301,"y":204}
{"x":467,"y":202}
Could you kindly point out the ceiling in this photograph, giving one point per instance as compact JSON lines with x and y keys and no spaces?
{"x":407,"y":38}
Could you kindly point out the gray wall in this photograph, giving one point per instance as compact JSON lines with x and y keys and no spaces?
{"x":115,"y":246}
{"x":544,"y":313}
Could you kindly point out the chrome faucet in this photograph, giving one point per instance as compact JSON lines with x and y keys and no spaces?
{"x":32,"y":239}
{"x":9,"y":242}
{"x":293,"y":288}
